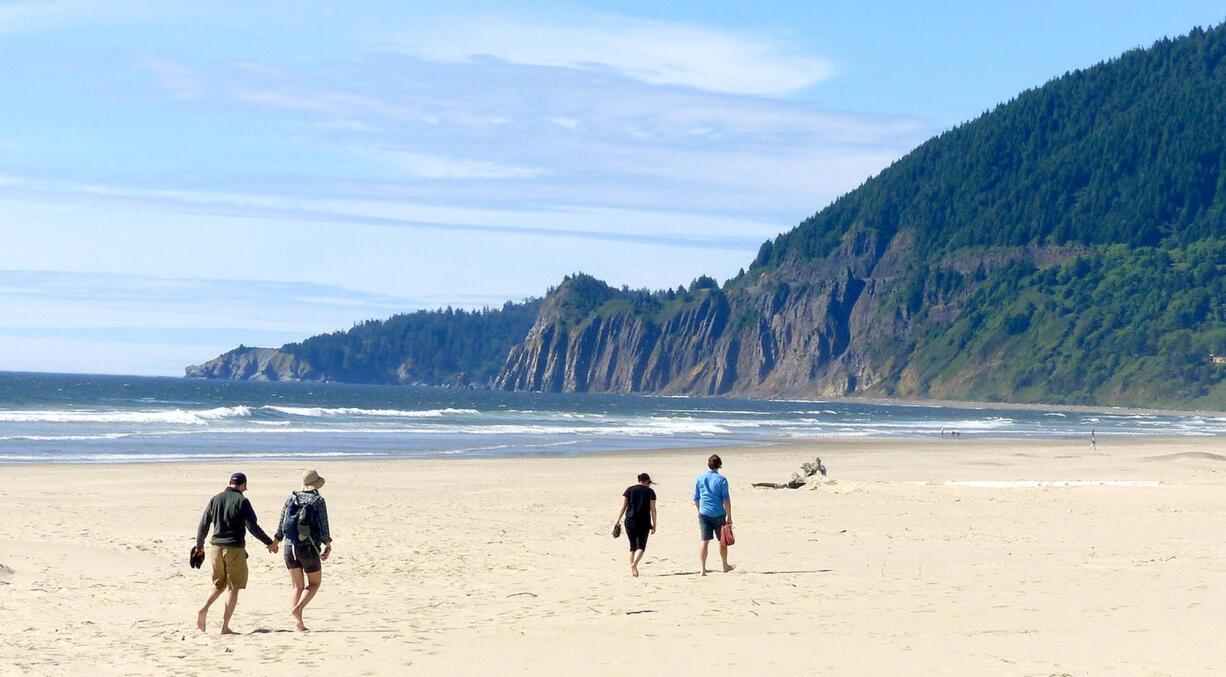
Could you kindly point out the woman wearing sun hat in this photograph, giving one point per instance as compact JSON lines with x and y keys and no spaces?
{"x":304,"y":525}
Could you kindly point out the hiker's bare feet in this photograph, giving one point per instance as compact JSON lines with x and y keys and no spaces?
{"x":228,"y":631}
{"x":301,"y":626}
{"x":200,"y":619}
{"x":704,"y":572}
{"x":298,"y":620}
{"x":634,"y":570}
{"x":729,"y":567}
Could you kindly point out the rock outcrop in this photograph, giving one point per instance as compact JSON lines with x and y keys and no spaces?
{"x":255,"y":364}
{"x":802,"y":330}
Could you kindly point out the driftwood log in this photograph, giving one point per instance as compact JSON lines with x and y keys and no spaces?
{"x":798,"y":480}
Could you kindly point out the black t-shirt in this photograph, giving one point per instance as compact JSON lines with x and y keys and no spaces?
{"x":638,"y":512}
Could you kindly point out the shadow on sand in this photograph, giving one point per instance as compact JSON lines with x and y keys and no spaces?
{"x":759,"y":573}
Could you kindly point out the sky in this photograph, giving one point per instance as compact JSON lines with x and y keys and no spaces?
{"x":180,"y":178}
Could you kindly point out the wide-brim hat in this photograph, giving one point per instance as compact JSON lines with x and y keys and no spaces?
{"x":311,"y":481}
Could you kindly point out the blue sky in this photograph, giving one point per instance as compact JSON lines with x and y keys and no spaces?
{"x":176,"y":179}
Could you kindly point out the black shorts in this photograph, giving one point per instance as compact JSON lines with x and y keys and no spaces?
{"x":710,"y":526}
{"x":637,"y":535}
{"x":304,"y":557}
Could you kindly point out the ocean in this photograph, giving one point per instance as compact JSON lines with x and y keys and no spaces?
{"x":66,"y":418}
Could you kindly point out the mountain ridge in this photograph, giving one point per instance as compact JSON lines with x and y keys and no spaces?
{"x":1066,"y":247}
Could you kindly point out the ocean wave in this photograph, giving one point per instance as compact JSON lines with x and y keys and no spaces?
{"x":64,"y":438}
{"x":495,"y":447}
{"x":172,"y":416}
{"x":319,"y":412}
{"x":123,"y":457}
{"x":554,"y":414}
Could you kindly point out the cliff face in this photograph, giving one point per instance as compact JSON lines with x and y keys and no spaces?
{"x":811,"y":330}
{"x":255,"y":364}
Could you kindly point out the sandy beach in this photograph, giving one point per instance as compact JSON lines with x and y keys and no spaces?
{"x":912,"y":557}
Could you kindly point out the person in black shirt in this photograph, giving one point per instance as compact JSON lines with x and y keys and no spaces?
{"x":639,"y":507}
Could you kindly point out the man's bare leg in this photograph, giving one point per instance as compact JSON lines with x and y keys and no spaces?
{"x":702,"y":556}
{"x":231,"y":603}
{"x":313,"y":580}
{"x":203,"y":615}
{"x":723,"y":555}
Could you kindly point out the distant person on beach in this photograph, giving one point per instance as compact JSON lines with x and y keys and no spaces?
{"x":639,"y":507}
{"x":1093,"y":440}
{"x":714,"y":510}
{"x":304,"y":522}
{"x":230,"y":515}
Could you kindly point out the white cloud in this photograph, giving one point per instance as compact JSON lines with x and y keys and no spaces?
{"x":656,"y":52}
{"x":426,"y":166}
{"x":179,"y":81}
{"x":24,"y":16}
{"x":670,"y":227}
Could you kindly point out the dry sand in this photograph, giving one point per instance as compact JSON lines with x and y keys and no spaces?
{"x":901,"y":562}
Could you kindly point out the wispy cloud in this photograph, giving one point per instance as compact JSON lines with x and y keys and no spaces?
{"x":426,"y":166}
{"x":25,"y":16}
{"x":655,"y":52}
{"x":132,"y":291}
{"x":581,"y":136}
{"x":671,"y":229}
{"x":179,"y":81}
{"x":129,"y":323}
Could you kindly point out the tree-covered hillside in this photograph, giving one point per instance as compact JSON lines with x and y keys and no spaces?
{"x":1132,"y":151}
{"x":1117,"y":325}
{"x":428,"y":346}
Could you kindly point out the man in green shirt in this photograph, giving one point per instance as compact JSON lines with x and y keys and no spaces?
{"x":230,"y":515}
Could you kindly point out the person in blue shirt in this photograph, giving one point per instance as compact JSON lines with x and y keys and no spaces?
{"x":714,"y":510}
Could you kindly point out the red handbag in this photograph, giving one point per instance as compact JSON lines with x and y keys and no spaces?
{"x":725,"y":535}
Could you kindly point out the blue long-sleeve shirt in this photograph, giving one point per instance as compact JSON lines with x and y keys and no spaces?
{"x":710,"y":491}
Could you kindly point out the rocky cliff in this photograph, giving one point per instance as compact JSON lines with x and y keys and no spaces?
{"x":255,"y":364}
{"x":838,"y":327}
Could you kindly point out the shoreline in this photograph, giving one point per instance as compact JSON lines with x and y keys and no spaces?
{"x":798,"y":446}
{"x":772,"y":446}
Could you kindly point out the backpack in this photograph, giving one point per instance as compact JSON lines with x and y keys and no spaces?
{"x":299,"y":516}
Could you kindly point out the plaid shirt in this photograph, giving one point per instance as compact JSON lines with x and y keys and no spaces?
{"x":320,"y":533}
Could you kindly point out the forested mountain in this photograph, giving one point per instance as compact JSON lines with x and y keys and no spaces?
{"x":1068,"y":246}
{"x":1132,"y":151}
{"x":435,"y":347}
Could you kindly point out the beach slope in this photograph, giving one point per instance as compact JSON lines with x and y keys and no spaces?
{"x":966,"y":557}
